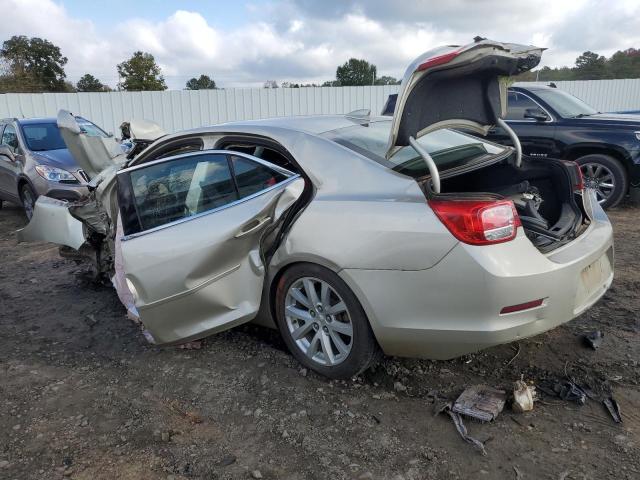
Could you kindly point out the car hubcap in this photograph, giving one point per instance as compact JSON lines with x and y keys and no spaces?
{"x":27,"y":202}
{"x":599,"y":178}
{"x":318,"y":321}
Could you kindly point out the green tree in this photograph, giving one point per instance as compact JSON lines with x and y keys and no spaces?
{"x":624,"y":64}
{"x":89,"y":83}
{"x":203,"y":83}
{"x":32,"y":65}
{"x":385,"y":80}
{"x":356,"y":72}
{"x":590,"y":66}
{"x":140,"y":72}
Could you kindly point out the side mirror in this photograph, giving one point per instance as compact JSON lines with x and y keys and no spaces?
{"x":536,"y":114}
{"x":7,"y":152}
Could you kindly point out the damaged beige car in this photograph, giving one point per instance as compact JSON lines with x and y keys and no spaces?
{"x":352,"y":234}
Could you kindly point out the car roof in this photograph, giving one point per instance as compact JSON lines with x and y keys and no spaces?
{"x":532,"y":86}
{"x":313,"y":124}
{"x":31,"y":121}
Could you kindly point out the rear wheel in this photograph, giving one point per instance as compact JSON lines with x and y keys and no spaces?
{"x":606,"y":175}
{"x":322,"y":322}
{"x":28,"y":197}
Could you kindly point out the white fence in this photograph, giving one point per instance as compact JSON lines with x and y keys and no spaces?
{"x":606,"y":95}
{"x":178,"y":110}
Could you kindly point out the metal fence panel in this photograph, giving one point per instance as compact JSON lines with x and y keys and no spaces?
{"x":182,"y":109}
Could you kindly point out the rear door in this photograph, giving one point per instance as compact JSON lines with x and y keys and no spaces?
{"x":457,"y":87}
{"x":195,"y":226}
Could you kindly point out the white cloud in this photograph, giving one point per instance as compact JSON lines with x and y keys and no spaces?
{"x":305,"y":40}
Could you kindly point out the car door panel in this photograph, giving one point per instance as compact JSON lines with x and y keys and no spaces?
{"x":10,"y":168}
{"x":195,"y":277}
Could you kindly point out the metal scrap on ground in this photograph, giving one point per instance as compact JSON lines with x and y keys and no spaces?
{"x":481,"y":402}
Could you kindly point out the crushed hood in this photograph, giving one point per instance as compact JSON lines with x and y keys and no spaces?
{"x":92,"y":153}
{"x":143,"y":130}
{"x":457,"y":87}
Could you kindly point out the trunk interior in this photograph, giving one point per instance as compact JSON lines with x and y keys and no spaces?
{"x":542,"y":191}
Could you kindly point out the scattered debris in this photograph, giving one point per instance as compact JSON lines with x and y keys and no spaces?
{"x":193,"y":345}
{"x":399,"y":387}
{"x":462,"y":430}
{"x":227,"y":460}
{"x":515,"y":356}
{"x":523,"y":396}
{"x":565,"y":390}
{"x":519,"y":474}
{"x":481,"y":402}
{"x":613,"y":409}
{"x":593,"y":339}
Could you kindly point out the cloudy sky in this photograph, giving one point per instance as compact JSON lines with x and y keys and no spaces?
{"x":244,"y":43}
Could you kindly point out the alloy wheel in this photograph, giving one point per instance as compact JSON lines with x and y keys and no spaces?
{"x":599,"y":178}
{"x":318,"y":321}
{"x":28,"y":202}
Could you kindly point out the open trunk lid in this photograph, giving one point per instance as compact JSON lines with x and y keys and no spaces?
{"x":457,"y":87}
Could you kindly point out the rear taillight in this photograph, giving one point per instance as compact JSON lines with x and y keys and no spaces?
{"x":439,"y":60}
{"x":478,"y":222}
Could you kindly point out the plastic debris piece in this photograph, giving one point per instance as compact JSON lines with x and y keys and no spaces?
{"x":613,"y":409}
{"x":565,"y":390}
{"x":481,"y":402}
{"x":593,"y":339}
{"x":523,"y":396}
{"x":460,"y":427}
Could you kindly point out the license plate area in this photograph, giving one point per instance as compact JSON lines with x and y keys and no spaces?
{"x":592,"y":281}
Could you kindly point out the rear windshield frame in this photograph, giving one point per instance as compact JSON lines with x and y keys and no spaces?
{"x":489,"y":157}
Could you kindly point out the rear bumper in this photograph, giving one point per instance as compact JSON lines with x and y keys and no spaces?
{"x":454,"y":307}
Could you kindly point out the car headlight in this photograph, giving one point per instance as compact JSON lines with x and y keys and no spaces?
{"x":54,"y":174}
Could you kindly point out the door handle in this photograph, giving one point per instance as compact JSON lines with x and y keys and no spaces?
{"x":252,"y":227}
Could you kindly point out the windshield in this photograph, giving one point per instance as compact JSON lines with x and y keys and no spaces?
{"x":566,"y":104}
{"x":46,"y":136}
{"x":448,"y":148}
{"x":43,"y":136}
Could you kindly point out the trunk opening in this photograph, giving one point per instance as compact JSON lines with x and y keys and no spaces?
{"x":542,"y":191}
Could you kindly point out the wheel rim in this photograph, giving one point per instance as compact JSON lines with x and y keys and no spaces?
{"x":600,"y":179}
{"x":27,"y":202}
{"x":318,"y":321}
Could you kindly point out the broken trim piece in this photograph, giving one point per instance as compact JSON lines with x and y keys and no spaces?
{"x":52,"y":222}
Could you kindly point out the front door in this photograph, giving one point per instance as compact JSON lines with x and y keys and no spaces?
{"x":10,"y":167}
{"x":195,"y":227}
{"x":537,"y":135}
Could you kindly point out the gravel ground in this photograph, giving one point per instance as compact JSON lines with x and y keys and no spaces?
{"x":83,"y":396}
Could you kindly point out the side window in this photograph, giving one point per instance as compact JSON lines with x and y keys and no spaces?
{"x":10,"y":138}
{"x":517,"y":104}
{"x":252,"y":177}
{"x":180,"y":188}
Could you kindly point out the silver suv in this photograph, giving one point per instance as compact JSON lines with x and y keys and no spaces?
{"x":34,"y":161}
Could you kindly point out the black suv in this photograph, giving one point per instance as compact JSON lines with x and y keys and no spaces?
{"x":552,"y":123}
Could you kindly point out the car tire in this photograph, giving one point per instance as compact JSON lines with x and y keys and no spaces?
{"x":330,"y":323}
{"x":28,"y":198}
{"x":598,"y":170}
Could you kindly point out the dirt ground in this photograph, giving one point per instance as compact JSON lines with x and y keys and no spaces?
{"x":82,"y":394}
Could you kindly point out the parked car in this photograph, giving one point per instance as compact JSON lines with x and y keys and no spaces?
{"x":34,"y":161}
{"x":552,"y":123}
{"x":351,"y":234}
